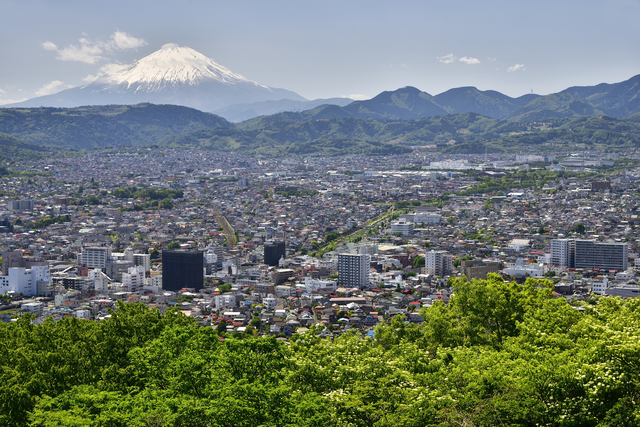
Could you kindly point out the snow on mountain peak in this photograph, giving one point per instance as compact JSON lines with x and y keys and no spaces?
{"x":173,"y":65}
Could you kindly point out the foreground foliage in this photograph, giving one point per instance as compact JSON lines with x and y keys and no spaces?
{"x":498,"y":354}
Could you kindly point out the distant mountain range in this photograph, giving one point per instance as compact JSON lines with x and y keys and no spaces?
{"x":618,"y":100}
{"x":182,"y":76}
{"x":242,"y":112}
{"x":259,"y":120}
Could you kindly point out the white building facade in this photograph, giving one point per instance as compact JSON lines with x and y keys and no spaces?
{"x":353,"y":270}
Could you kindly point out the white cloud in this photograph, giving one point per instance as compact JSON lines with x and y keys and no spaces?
{"x":1,"y":91}
{"x":447,"y":59}
{"x":121,"y":40}
{"x":51,"y":87}
{"x":105,"y":69}
{"x":166,"y":45}
{"x":49,"y":45}
{"x":357,"y":97}
{"x":90,"y":52}
{"x":87,"y":52}
{"x":11,"y":101}
{"x":469,"y":61}
{"x":517,"y":67}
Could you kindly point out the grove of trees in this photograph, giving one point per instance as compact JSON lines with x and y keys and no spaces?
{"x":499,"y":354}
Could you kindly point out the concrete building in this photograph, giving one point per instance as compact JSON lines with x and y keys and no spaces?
{"x":353,"y":270}
{"x":600,"y":288}
{"x":142,"y":260}
{"x":224,"y":300}
{"x":403,"y":227}
{"x":14,"y":259}
{"x":20,"y":205}
{"x":24,"y":281}
{"x":156,"y":281}
{"x":519,"y":244}
{"x":95,"y":257}
{"x":313,"y":285}
{"x":77,"y":283}
{"x":604,"y":256}
{"x":99,"y":279}
{"x":427,"y":218}
{"x":563,"y":252}
{"x":182,"y":268}
{"x":282,"y":275}
{"x":476,"y":269}
{"x":133,"y":279}
{"x":33,"y":307}
{"x":438,"y":263}
{"x":273,"y":251}
{"x":520,"y":269}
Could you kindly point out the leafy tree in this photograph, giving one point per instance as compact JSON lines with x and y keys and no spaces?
{"x":173,"y":245}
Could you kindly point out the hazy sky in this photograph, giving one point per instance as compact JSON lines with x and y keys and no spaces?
{"x":328,"y":48}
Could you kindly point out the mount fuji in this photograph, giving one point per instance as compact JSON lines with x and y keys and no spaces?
{"x":172,"y":75}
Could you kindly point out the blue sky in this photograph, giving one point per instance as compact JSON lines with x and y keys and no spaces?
{"x":329,"y":48}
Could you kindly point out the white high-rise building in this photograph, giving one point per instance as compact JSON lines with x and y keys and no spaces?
{"x":563,"y":252}
{"x":133,"y":280}
{"x":95,"y":257}
{"x":353,"y":270}
{"x":438,"y":263}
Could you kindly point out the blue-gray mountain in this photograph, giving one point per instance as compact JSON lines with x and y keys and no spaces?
{"x":618,"y":100}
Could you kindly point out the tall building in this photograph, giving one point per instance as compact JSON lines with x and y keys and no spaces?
{"x":25,"y":281}
{"x":182,"y":268}
{"x":14,"y":259}
{"x":605,"y":256}
{"x":563,"y":252}
{"x":273,"y":251}
{"x":133,"y":279}
{"x":95,"y":257}
{"x":438,"y":263}
{"x":353,"y":270}
{"x":142,"y":260}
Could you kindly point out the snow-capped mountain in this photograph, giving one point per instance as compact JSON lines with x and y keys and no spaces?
{"x":171,"y":75}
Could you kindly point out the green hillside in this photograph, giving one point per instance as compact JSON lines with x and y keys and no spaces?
{"x":103,"y":126}
{"x":14,"y":149}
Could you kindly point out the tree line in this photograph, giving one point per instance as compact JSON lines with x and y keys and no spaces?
{"x":499,"y":353}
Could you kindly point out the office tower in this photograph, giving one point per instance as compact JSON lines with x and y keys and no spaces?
{"x":273,"y":251}
{"x":182,"y":268}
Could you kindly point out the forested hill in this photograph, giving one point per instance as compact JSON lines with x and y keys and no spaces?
{"x":498,"y":354}
{"x":104,"y":126}
{"x":14,"y":149}
{"x":320,"y":132}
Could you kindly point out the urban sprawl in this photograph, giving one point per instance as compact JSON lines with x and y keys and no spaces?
{"x":277,"y":246}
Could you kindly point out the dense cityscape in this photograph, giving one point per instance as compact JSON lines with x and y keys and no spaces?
{"x":274,"y":246}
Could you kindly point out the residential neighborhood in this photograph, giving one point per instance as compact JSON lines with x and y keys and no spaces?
{"x":279,"y":246}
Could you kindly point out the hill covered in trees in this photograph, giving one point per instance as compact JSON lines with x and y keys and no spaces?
{"x":324,"y":131}
{"x":498,"y":354}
